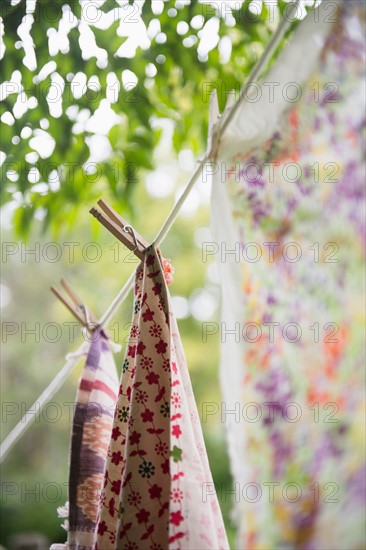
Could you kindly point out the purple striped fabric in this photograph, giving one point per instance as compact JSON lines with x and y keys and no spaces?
{"x":93,"y":418}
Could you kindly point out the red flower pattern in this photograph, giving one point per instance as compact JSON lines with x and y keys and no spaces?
{"x":148,"y":315}
{"x":161,"y":347}
{"x":155,"y":491}
{"x":132,"y":351}
{"x":117,"y":457}
{"x":165,"y":467}
{"x":102,"y":528}
{"x":176,"y":518}
{"x":145,"y":437}
{"x":147,"y":363}
{"x":140,"y":348}
{"x":135,"y":438}
{"x":161,"y":448}
{"x":176,"y":431}
{"x":152,"y":378}
{"x":116,"y":432}
{"x":141,"y":397}
{"x":143,"y":516}
{"x":157,"y":288}
{"x":155,"y":331}
{"x":116,"y":486}
{"x":147,"y":416}
{"x":134,"y":498}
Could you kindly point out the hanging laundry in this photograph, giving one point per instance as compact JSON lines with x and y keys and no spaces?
{"x":158,"y":491}
{"x":91,"y":431}
{"x":288,"y":220}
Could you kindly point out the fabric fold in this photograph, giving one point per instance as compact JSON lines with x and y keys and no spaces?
{"x":155,"y":488}
{"x":91,"y":431}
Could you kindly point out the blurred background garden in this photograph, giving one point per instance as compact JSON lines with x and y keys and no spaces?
{"x":105,"y":99}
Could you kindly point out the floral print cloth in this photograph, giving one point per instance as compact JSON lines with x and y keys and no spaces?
{"x":158,"y":491}
{"x":290,"y":208}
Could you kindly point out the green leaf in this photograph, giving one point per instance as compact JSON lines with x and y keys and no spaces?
{"x":176,"y":454}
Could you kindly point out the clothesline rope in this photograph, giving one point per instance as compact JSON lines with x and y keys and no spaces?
{"x":262,"y":63}
{"x":158,"y":239}
{"x":44,"y":398}
{"x":255,"y":73}
{"x":224,"y":122}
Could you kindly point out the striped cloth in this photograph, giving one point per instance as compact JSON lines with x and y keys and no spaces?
{"x":95,"y":403}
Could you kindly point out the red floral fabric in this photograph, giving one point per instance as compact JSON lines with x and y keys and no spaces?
{"x":157,"y":475}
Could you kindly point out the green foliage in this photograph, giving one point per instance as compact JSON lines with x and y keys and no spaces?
{"x":179,"y":91}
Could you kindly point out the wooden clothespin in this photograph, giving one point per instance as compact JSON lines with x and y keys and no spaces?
{"x":213,"y":140}
{"x":75,"y":305}
{"x":122,"y":230}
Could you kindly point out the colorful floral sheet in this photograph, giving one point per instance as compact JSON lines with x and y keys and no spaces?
{"x":291,"y":204}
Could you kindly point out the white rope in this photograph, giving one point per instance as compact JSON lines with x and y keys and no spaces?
{"x":158,"y":239}
{"x":224,"y":122}
{"x":121,"y":296}
{"x":57,"y":382}
{"x":45,"y":396}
